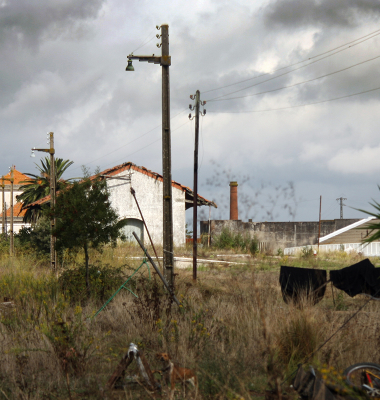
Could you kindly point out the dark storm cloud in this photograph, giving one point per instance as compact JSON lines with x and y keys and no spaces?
{"x":24,"y":22}
{"x":295,"y":14}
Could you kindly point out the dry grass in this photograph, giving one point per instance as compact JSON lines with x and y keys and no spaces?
{"x":233,"y":328}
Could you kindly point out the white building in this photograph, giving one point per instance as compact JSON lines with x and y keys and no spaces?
{"x":18,"y":223}
{"x":148,"y":188}
{"x":348,"y":239}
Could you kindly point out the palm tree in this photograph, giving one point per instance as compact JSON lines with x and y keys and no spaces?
{"x":374,"y":227}
{"x":38,"y":186}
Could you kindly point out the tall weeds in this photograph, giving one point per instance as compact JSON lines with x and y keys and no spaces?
{"x":237,"y":333}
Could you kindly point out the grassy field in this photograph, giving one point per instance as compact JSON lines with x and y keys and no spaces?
{"x":232,"y":327}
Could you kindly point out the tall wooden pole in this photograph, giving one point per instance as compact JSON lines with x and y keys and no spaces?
{"x":195,"y":189}
{"x":3,"y":206}
{"x":320,"y":214}
{"x":53,"y":253}
{"x":167,"y":229}
{"x":11,"y":242}
{"x":168,"y":256}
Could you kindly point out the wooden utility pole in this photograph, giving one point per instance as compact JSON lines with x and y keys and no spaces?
{"x":320,"y":214}
{"x":11,"y":180}
{"x":195,"y":188}
{"x":53,"y":252}
{"x":3,"y":206}
{"x":165,"y":61}
{"x":11,"y":242}
{"x":168,"y":256}
{"x":52,"y":183}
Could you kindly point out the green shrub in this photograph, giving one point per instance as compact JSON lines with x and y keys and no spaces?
{"x":254,"y":246}
{"x":306,"y":251}
{"x":104,"y":281}
{"x":230,"y":240}
{"x":36,"y":238}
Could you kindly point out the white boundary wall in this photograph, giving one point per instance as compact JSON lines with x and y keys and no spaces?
{"x":368,"y":250}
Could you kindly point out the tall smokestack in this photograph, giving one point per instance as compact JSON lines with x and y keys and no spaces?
{"x":234,"y":213}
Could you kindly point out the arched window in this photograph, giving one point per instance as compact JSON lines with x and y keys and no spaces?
{"x":133,"y":225}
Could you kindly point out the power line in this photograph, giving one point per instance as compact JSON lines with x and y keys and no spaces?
{"x":275,"y":77}
{"x":374,"y":33}
{"x":299,"y":83}
{"x":299,"y":105}
{"x":145,"y":41}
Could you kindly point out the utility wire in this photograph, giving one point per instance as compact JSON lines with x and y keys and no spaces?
{"x":299,"y":83}
{"x":275,"y":77}
{"x":299,"y":105}
{"x":375,"y":33}
{"x":146,"y":41}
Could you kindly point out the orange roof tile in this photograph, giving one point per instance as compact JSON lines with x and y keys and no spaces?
{"x":16,"y":211}
{"x":129,"y":165}
{"x":18,"y":177}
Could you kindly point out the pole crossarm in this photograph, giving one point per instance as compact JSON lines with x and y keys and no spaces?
{"x":50,"y":151}
{"x":162,"y":60}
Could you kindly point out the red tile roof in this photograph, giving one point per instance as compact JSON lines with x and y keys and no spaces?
{"x":16,"y":211}
{"x":129,"y":165}
{"x":18,"y":177}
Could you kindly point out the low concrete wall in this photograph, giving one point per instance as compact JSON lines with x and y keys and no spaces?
{"x":278,"y":234}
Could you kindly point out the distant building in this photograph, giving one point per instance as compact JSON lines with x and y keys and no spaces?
{"x":348,"y":238}
{"x":276,"y":235}
{"x":18,"y":223}
{"x":148,"y":186}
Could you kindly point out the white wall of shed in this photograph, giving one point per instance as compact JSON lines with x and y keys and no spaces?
{"x":149,"y":192}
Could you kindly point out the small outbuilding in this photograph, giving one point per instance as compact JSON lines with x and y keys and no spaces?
{"x":148,"y":187}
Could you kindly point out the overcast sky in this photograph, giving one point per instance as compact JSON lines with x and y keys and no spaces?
{"x":62,"y":69}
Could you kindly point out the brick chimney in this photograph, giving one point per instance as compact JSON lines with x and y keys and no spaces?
{"x":234,"y":213}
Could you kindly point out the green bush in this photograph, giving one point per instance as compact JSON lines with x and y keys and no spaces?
{"x":307,"y":252}
{"x":104,"y":281}
{"x":4,"y":244}
{"x":36,"y":238}
{"x":230,"y":240}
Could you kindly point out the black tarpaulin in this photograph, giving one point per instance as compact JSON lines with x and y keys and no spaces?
{"x":297,"y":282}
{"x":310,"y":386}
{"x":361,"y":277}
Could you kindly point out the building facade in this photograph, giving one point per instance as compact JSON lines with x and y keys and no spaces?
{"x":148,"y":188}
{"x":18,"y":179}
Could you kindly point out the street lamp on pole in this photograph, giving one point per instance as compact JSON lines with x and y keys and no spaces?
{"x":3,"y":206}
{"x":165,"y":61}
{"x":51,"y":151}
{"x":11,"y":234}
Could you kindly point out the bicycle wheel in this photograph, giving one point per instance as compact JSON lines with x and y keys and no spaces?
{"x":364,"y":376}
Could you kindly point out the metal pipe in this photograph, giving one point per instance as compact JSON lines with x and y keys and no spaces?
{"x":169,"y":288}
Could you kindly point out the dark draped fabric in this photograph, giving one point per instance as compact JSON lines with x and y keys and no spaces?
{"x":298,"y":282}
{"x":311,"y":386}
{"x":358,"y":278}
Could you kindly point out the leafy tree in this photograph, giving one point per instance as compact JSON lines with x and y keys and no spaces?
{"x":38,"y":186}
{"x":85,"y":218}
{"x":373,"y":226}
{"x":37,"y":237}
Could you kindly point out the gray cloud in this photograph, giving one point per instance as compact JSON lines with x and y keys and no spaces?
{"x":24,"y":23}
{"x":296,"y":14}
{"x":62,"y":68}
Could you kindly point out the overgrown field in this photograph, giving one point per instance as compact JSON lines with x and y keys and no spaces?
{"x":232,"y":327}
